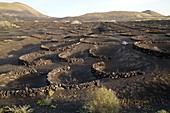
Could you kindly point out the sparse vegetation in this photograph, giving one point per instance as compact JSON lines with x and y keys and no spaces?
{"x":52,"y":106}
{"x":162,"y":111}
{"x":51,"y":93}
{"x":44,"y":102}
{"x":48,"y":100}
{"x":20,"y":109}
{"x":101,"y":100}
{"x":7,"y":24}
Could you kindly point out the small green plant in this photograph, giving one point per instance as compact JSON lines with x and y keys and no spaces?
{"x":20,"y":109}
{"x":44,"y":102}
{"x":51,"y":93}
{"x":48,"y":100}
{"x":101,"y":100}
{"x":53,"y":106}
{"x":162,"y":111}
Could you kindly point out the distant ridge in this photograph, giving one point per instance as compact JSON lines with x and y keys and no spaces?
{"x":20,"y":12}
{"x":153,"y":13}
{"x":115,"y":15}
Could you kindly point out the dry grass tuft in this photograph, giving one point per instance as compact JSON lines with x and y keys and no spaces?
{"x":20,"y":109}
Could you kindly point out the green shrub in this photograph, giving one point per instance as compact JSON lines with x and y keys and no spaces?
{"x":44,"y":102}
{"x":48,"y":100}
{"x":101,"y":100}
{"x":7,"y":24}
{"x":162,"y":111}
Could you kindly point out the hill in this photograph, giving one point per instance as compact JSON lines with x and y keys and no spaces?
{"x":15,"y":8}
{"x":20,"y":12}
{"x":17,"y":11}
{"x":152,"y":13}
{"x":115,"y":15}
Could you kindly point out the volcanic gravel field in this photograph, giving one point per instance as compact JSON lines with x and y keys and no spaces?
{"x":131,"y":58}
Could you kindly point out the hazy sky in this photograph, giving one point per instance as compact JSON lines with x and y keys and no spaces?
{"x":62,"y":8}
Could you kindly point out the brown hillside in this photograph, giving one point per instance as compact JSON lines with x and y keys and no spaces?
{"x":152,"y":13}
{"x":116,"y":15}
{"x":18,"y":10}
{"x":113,"y":15}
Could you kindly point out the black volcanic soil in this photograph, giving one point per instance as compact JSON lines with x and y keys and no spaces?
{"x":131,"y":58}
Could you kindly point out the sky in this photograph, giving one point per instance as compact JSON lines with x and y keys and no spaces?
{"x":63,"y":8}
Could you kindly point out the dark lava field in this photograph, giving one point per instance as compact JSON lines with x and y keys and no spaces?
{"x":131,"y":58}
